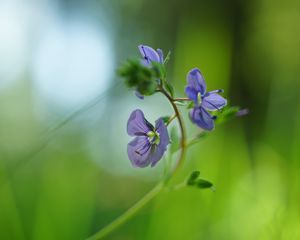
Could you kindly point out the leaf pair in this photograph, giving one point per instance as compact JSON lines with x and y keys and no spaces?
{"x":197,"y":182}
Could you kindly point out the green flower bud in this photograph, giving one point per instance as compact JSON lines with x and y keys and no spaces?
{"x":138,"y":76}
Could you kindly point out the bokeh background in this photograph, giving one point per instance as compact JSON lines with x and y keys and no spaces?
{"x":64,"y":171}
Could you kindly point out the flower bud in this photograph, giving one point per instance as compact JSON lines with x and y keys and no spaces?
{"x":138,"y":76}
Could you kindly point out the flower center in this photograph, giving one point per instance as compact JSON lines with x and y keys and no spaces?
{"x":153,"y":137}
{"x":199,"y":99}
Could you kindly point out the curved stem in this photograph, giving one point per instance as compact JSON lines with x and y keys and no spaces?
{"x":182,"y":130}
{"x":156,"y":190}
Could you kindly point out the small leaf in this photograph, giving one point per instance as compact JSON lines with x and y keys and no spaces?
{"x":159,"y":69}
{"x":190,"y":105}
{"x":179,"y":103}
{"x":226,"y":114}
{"x":169,"y":88}
{"x":166,"y":119}
{"x":203,"y":184}
{"x":193,"y":177}
{"x":167,"y":58}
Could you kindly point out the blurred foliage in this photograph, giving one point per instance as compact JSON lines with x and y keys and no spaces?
{"x":81,"y":179}
{"x":139,"y":77}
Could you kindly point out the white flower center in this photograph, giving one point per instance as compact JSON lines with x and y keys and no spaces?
{"x":153,"y":137}
{"x":199,"y":99}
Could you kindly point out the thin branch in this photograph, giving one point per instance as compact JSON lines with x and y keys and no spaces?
{"x":181,"y":99}
{"x":128,"y":214}
{"x":171,"y":119}
{"x":182,"y":131}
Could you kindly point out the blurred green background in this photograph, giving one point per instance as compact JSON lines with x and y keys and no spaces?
{"x":64,"y":171}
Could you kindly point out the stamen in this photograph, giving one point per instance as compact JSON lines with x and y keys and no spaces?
{"x":217,"y":91}
{"x":151,"y":134}
{"x":199,"y":99}
{"x":153,"y":137}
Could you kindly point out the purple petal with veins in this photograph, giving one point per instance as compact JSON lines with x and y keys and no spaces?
{"x":213,"y":101}
{"x":196,"y":81}
{"x":202,"y":118}
{"x":150,"y":143}
{"x":137,"y":125}
{"x":163,"y":143}
{"x":149,"y":54}
{"x":139,"y":150}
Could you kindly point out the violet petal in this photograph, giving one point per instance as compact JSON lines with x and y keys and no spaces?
{"x":137,"y":124}
{"x":149,"y":54}
{"x":196,"y":81}
{"x":159,"y":150}
{"x":202,"y":118}
{"x":138,"y":151}
{"x":192,"y":94}
{"x":213,"y":101}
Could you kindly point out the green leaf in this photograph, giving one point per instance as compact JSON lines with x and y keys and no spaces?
{"x":174,"y":140}
{"x":193,"y":177}
{"x":166,"y":119}
{"x":139,"y":77}
{"x":180,"y":103}
{"x":169,"y":88}
{"x":159,"y":69}
{"x":190,"y":105}
{"x":203,"y":184}
{"x":167,"y":58}
{"x":227,"y":114}
{"x":195,"y":181}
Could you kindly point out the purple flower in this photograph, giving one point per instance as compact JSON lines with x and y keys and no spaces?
{"x":204,"y":101}
{"x":149,"y":143}
{"x":150,"y":55}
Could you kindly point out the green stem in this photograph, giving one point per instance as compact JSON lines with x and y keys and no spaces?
{"x":182,"y":131}
{"x":156,"y":190}
{"x":171,"y":119}
{"x":128,"y":214}
{"x":182,"y":99}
